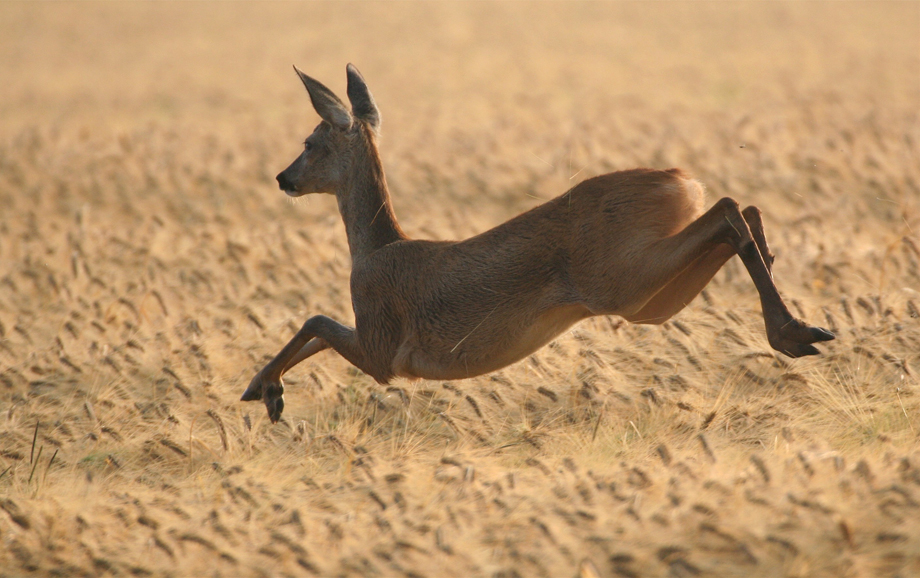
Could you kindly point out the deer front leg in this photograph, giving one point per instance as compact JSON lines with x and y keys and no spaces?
{"x":317,"y":334}
{"x":312,"y":347}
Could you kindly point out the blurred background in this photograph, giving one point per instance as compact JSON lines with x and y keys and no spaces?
{"x":149,"y":266}
{"x":174,"y":61}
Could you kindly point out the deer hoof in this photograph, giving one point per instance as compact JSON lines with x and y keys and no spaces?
{"x":801,"y":350}
{"x":275,"y":406}
{"x":795,"y":337}
{"x":821,"y":334}
{"x":254,"y":391}
{"x":272,"y":393}
{"x":273,"y":396}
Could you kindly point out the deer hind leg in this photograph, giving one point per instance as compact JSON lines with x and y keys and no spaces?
{"x":755,"y":224}
{"x":685,"y":262}
{"x":680,"y":291}
{"x":317,"y":334}
{"x":784,"y":332}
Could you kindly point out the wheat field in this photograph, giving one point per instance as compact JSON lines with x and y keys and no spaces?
{"x":149,"y":266}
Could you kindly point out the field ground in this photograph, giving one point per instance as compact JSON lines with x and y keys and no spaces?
{"x":149,"y":266}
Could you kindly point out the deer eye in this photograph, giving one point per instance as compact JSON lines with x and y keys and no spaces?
{"x":307,"y":145}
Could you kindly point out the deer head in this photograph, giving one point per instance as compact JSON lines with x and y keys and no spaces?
{"x":340,"y":142}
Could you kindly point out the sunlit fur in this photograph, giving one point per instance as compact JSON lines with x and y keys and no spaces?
{"x":633,"y":243}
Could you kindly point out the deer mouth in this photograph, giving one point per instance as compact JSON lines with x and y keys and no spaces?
{"x":290,"y":190}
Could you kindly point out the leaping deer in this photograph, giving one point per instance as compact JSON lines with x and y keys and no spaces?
{"x":632,"y":243}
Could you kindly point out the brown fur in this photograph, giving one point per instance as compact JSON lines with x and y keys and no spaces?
{"x":633,"y":243}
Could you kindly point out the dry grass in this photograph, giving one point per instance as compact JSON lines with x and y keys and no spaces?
{"x":148,"y":266}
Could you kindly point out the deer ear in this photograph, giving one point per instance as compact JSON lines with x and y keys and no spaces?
{"x":327,"y":104}
{"x":362,"y":102}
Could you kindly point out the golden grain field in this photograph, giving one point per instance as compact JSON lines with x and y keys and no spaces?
{"x":149,"y":266}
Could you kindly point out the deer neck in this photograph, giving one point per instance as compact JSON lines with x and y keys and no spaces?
{"x":364,"y":203}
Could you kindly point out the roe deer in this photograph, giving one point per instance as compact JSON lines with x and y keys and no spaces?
{"x":632,"y":243}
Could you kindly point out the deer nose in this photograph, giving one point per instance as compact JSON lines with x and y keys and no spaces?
{"x":284,"y":182}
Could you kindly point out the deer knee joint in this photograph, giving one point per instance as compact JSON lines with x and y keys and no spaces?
{"x":737,"y":228}
{"x":312,"y":325}
{"x":729,"y":204}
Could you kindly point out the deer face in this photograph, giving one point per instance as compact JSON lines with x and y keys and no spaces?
{"x":329,"y":153}
{"x":321,"y":166}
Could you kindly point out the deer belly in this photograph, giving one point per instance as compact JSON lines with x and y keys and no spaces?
{"x":485,"y":350}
